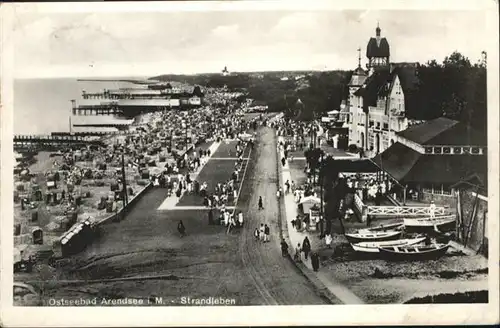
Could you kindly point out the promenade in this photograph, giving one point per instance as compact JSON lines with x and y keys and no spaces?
{"x":296,"y":237}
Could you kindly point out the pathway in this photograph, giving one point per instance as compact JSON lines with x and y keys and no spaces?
{"x":340,"y":291}
{"x":170,"y":202}
{"x":276,"y":278}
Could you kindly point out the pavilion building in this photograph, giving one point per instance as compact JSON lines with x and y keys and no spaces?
{"x":431,"y":157}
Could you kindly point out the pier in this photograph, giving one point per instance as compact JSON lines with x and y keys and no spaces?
{"x":110,"y":108}
{"x":23,"y":141}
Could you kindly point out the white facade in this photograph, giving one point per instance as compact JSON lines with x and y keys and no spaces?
{"x":384,"y":120}
{"x":150,"y":102}
{"x":195,"y":101}
{"x":357,"y":119}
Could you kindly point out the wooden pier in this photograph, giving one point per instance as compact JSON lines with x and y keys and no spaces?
{"x":97,"y":109}
{"x":53,"y":141}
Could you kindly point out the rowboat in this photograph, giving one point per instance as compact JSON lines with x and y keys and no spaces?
{"x":383,"y":227}
{"x":373,"y":247}
{"x":414,"y":252}
{"x":429,"y":222}
{"x":373,"y":236}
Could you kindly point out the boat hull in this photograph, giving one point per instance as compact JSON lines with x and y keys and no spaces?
{"x":380,"y":228}
{"x":424,"y":253}
{"x":358,"y":238}
{"x":368,"y":247}
{"x":428,"y":222}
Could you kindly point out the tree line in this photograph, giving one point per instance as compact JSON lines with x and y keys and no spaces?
{"x":455,"y":88}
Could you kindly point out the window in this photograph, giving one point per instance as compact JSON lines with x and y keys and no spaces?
{"x":386,"y":126}
{"x":378,"y":125}
{"x":371,"y":124}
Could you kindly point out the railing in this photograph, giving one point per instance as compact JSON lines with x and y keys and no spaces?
{"x":363,"y":176}
{"x":437,"y":192}
{"x":404,"y":210}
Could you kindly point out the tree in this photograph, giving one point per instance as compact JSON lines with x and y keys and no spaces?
{"x":454,"y":89}
{"x":330,"y":176}
{"x":197,"y":91}
{"x":312,"y":158}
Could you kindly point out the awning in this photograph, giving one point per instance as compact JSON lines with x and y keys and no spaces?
{"x":310,"y":199}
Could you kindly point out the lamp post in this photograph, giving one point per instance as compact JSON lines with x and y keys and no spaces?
{"x":321,"y":173}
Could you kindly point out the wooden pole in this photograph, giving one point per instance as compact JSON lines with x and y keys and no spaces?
{"x":459,"y":217}
{"x":321,"y":192}
{"x":472,"y":217}
{"x":481,"y":248}
{"x":125,"y":194}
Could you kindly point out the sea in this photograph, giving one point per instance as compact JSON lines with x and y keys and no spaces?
{"x":42,"y":106}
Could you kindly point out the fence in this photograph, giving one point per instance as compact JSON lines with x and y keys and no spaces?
{"x":403,"y":210}
{"x":362,"y":176}
{"x":363,"y":210}
{"x":438,"y":192}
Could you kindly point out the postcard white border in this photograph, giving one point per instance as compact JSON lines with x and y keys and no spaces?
{"x":253,"y":315}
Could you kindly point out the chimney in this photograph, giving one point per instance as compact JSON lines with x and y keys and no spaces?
{"x":377,"y":32}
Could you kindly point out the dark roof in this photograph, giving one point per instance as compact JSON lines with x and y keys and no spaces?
{"x":473,"y":181}
{"x":407,"y":165}
{"x":360,"y":71}
{"x":375,"y":50}
{"x":372,"y":86}
{"x":443,"y":131}
{"x":358,"y":77}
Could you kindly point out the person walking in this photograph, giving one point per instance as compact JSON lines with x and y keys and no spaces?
{"x":260,"y":203}
{"x":432,"y":210}
{"x":328,"y":240}
{"x":261,"y":232}
{"x":266,"y":233}
{"x":240,"y":219}
{"x":315,"y":261}
{"x":256,"y":234}
{"x":284,"y":248}
{"x":306,"y":247}
{"x":181,"y":228}
{"x":296,"y":257}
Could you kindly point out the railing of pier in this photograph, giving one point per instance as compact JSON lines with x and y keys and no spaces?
{"x":404,"y":210}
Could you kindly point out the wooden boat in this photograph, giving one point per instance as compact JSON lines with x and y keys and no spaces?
{"x":383,"y":227}
{"x":413,"y":253}
{"x":373,"y":236}
{"x":373,"y":247}
{"x":429,"y":222}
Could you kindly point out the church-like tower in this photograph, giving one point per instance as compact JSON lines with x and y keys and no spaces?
{"x":377,"y":51}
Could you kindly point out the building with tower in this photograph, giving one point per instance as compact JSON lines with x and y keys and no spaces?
{"x":225,"y":72}
{"x":377,"y":51}
{"x":380,"y":98}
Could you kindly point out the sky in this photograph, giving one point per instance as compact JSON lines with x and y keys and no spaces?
{"x":152,"y":43}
